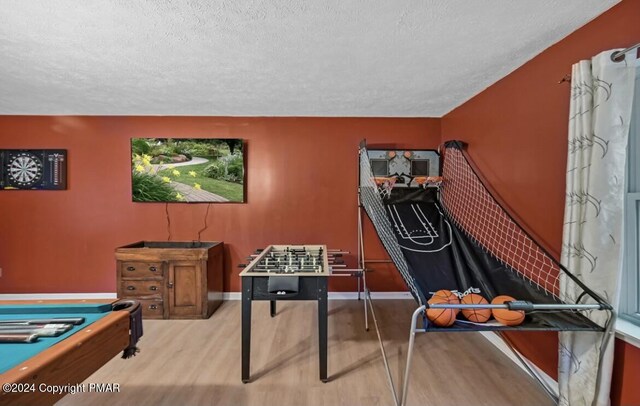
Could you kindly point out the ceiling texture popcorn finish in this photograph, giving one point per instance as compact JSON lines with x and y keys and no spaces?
{"x":269,"y":58}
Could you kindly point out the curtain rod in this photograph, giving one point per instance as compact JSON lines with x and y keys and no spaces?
{"x":619,"y":56}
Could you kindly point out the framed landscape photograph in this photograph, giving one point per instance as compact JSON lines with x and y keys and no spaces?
{"x":187,"y":170}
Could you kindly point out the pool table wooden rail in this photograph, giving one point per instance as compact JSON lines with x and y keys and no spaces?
{"x":70,"y":361}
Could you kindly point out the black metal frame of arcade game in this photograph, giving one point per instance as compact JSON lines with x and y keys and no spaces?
{"x":513,"y":262}
{"x":286,"y":272}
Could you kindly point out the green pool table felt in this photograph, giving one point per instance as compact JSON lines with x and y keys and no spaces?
{"x":15,"y":353}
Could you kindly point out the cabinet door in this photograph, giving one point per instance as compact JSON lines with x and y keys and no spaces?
{"x":185,"y":288}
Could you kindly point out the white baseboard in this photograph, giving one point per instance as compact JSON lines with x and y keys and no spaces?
{"x":56,"y":296}
{"x":231,"y":296}
{"x":225,"y":296}
{"x":374,"y":295}
{"x":342,"y":295}
{"x":498,"y":343}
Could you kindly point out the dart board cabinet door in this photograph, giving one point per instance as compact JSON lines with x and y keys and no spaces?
{"x":172,"y":279}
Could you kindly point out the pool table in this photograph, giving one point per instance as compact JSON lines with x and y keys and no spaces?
{"x":34,"y":369}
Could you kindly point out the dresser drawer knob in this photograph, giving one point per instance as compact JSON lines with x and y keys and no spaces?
{"x":170,"y":285}
{"x":153,"y":307}
{"x":131,"y":288}
{"x":153,"y":287}
{"x":153,"y":268}
{"x":131,"y":268}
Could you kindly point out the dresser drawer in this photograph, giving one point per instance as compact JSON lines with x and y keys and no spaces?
{"x":152,"y":309}
{"x":141,"y":269}
{"x":141,"y":288}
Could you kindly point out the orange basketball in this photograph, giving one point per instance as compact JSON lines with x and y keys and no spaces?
{"x":475,"y":315}
{"x":443,"y":317}
{"x":448,"y":297}
{"x":506,"y":316}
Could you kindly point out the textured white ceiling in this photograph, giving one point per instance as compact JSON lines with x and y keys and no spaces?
{"x":415,"y":58}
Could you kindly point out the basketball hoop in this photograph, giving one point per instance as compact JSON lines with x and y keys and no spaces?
{"x":428,"y":181}
{"x":385,"y":185}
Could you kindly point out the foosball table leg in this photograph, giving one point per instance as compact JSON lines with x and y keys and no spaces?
{"x":272,"y":306}
{"x":322,"y":327}
{"x":247,"y":293}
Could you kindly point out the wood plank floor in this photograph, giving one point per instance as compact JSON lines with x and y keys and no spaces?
{"x":197,"y":362}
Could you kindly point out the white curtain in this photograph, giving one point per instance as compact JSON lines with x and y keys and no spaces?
{"x":601,"y":99}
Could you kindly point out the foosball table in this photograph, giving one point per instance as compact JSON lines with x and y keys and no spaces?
{"x":286,"y":272}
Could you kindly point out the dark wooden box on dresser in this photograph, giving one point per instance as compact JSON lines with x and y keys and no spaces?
{"x":172,"y":279}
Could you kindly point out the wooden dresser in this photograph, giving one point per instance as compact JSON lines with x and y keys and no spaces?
{"x":172,"y":279}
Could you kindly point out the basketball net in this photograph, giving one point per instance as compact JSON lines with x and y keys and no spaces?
{"x":385,"y":185}
{"x":371,"y":189}
{"x":472,"y":207}
{"x":426,"y":181}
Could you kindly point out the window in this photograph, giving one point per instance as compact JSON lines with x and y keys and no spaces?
{"x":630,"y":294}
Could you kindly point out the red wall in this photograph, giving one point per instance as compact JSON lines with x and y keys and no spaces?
{"x":517,"y":135}
{"x":626,"y":374}
{"x":301,"y":188}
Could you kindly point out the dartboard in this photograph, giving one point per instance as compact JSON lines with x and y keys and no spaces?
{"x":24,"y":169}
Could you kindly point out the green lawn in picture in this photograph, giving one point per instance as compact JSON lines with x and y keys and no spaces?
{"x":228,"y":190}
